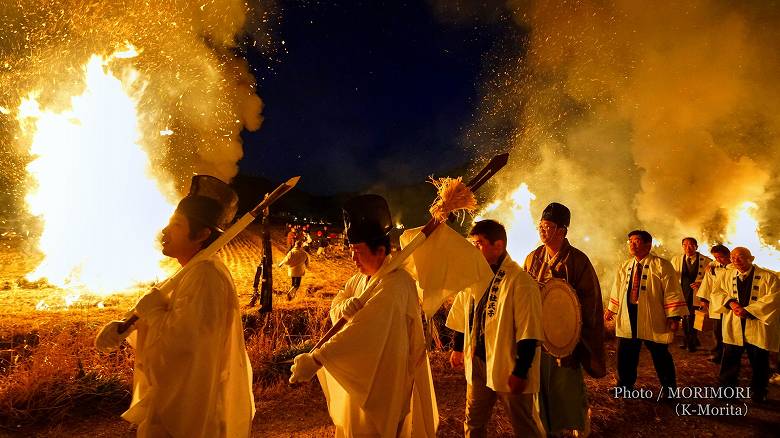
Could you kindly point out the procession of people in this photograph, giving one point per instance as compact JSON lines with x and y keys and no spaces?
{"x":193,"y":377}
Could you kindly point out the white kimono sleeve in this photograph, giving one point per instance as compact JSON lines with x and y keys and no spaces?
{"x":674,"y":301}
{"x":182,"y":353}
{"x":527,"y":307}
{"x":614,"y":295}
{"x":337,"y":305}
{"x":719,"y":295}
{"x":456,"y":319}
{"x":767,"y":307}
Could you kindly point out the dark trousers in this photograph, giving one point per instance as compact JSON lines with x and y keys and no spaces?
{"x":759,"y":361}
{"x":717,"y":330}
{"x":689,"y":333}
{"x":296,"y":282}
{"x":628,"y":360}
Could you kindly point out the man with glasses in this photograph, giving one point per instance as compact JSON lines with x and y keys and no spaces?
{"x":563,"y":402}
{"x":748,"y":297}
{"x":649,"y":304}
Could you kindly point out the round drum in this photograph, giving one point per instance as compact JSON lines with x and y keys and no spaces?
{"x":561,"y":318}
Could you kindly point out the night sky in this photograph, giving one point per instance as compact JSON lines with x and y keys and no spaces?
{"x":369,"y":93}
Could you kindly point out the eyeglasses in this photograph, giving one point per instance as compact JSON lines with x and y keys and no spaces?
{"x":546,"y":228}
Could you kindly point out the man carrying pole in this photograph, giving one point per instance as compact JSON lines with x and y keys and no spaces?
{"x":376,"y":369}
{"x":192,"y":375}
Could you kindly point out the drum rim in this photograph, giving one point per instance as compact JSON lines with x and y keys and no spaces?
{"x":565,"y":350}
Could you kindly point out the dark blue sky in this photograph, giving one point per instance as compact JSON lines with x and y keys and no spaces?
{"x":364,"y":93}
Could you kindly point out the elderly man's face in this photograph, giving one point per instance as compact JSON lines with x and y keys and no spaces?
{"x":742,"y":259}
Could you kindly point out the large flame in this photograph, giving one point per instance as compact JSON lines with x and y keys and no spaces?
{"x":93,"y":190}
{"x":514,"y":212}
{"x":744,"y":231}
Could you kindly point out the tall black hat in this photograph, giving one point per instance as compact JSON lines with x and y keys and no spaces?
{"x":210,"y":201}
{"x":367,"y":218}
{"x":557,"y":213}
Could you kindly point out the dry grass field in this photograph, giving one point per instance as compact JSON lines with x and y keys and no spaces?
{"x":54,"y":384}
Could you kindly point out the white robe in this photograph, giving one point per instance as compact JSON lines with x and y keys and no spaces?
{"x":192,"y":375}
{"x":513,"y":314}
{"x":375,"y":370}
{"x":660,"y":297}
{"x":707,"y":285}
{"x":764,"y":331}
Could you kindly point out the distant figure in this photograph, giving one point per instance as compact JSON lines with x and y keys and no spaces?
{"x":297,"y":260}
{"x":748,"y":297}
{"x":292,"y":237}
{"x":649,"y":304}
{"x":306,"y":240}
{"x":691,"y":267}
{"x":323,"y":243}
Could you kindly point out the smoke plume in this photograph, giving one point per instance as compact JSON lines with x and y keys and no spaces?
{"x":662,"y":117}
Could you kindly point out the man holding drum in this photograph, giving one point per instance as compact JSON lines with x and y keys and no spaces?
{"x":562,"y":399}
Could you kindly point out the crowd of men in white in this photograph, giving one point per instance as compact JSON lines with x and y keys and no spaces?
{"x":193,"y":378}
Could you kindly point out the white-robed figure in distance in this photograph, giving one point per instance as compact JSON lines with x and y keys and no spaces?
{"x":497,"y":331}
{"x":649,"y":304}
{"x":748,"y":297}
{"x":375,"y":372}
{"x":297,"y":261}
{"x":192,"y":377}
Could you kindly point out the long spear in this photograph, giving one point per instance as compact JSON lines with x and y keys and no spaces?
{"x":167,"y":285}
{"x":481,"y":178}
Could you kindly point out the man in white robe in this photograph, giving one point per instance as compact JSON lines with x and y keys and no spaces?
{"x":748,"y":297}
{"x":497,"y":331}
{"x":375,"y":371}
{"x":690,"y":267}
{"x":717,"y":267}
{"x":648,"y":303}
{"x":192,"y":376}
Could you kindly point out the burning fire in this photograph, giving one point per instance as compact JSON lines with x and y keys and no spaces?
{"x":514,"y":211}
{"x":92,"y":186}
{"x":744,"y":231}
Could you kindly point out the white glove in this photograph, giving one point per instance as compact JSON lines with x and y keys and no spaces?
{"x":350,"y":307}
{"x":152,"y":301}
{"x":109,"y":338}
{"x":304,"y":368}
